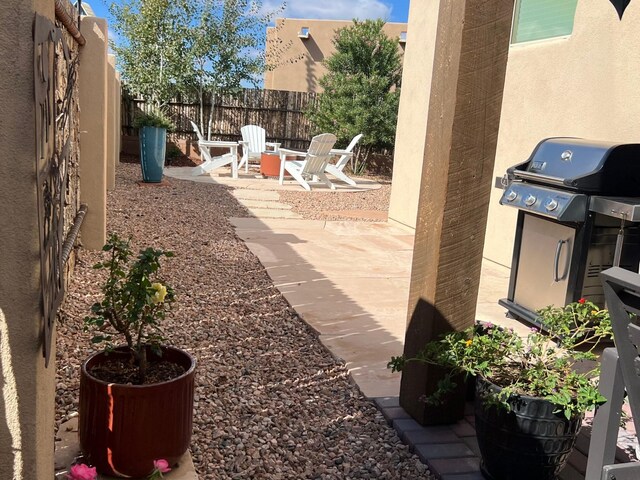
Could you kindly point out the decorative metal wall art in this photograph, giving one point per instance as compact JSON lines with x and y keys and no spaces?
{"x":53,"y":145}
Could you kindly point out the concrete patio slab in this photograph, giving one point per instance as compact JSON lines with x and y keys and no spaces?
{"x":254,"y":181}
{"x":272,"y":213}
{"x":350,"y":282}
{"x":259,"y":203}
{"x":256,"y":195}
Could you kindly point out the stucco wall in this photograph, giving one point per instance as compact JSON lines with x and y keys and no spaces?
{"x":303,"y":75}
{"x":412,"y":113}
{"x":93,"y":123}
{"x":27,"y":394}
{"x":584,"y":85}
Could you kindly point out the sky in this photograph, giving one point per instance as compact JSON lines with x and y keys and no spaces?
{"x":389,"y":10}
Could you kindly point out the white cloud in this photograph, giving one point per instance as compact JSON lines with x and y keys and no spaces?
{"x":333,"y":9}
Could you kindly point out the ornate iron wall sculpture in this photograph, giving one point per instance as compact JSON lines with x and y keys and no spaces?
{"x":54,"y":107}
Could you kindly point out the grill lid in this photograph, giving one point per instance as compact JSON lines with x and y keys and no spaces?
{"x":585,"y":166}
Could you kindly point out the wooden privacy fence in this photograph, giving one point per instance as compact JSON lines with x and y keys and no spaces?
{"x":279,"y":112}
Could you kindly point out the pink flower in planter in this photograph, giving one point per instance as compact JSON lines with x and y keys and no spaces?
{"x":161,"y":465}
{"x":81,"y":471}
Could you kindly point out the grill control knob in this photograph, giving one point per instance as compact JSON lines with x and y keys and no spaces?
{"x":530,"y":200}
{"x":511,"y":196}
{"x":551,"y":205}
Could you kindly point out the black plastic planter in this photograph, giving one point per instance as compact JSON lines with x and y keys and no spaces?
{"x":531,"y":442}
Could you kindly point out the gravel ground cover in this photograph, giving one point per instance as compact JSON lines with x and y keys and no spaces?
{"x":271,"y":402}
{"x":329,"y":205}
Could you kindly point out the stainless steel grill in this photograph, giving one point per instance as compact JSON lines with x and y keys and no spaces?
{"x":578,"y":207}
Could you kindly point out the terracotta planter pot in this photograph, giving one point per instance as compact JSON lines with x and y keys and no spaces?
{"x":124,"y":428}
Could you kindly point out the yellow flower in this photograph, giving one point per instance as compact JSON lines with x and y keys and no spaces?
{"x":160,"y":292}
{"x":594,"y":312}
{"x":469,"y":342}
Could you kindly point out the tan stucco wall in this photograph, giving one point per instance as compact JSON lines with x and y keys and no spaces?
{"x":92,"y":79}
{"x":27,"y":393}
{"x":584,"y":85}
{"x":112,"y":142}
{"x":303,"y":75}
{"x":412,"y":113}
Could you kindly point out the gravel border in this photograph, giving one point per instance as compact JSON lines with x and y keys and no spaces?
{"x":271,"y":401}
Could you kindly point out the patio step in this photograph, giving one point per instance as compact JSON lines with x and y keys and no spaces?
{"x":264,"y":204}
{"x":262,"y":195}
{"x":273,"y":213}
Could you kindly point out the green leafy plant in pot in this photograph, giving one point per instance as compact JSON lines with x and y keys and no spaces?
{"x":136,"y":399}
{"x":153,"y":126}
{"x":531,"y":393}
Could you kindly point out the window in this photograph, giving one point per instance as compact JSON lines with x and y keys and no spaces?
{"x":304,"y":32}
{"x":403,"y":37}
{"x":540,"y":19}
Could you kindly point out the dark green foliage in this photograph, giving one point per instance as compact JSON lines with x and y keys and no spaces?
{"x":361,"y":90}
{"x":153,"y":44}
{"x":153,"y":118}
{"x":134,"y":301}
{"x":549,"y":366}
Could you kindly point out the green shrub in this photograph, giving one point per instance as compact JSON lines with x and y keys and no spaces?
{"x":153,"y":118}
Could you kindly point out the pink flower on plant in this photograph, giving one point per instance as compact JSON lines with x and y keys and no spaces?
{"x":81,"y":471}
{"x":161,"y":465}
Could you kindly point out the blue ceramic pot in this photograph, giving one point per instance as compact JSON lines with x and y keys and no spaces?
{"x":153,"y":144}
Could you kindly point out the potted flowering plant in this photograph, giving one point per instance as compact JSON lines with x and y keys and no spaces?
{"x":136,"y":398}
{"x":531,"y":393}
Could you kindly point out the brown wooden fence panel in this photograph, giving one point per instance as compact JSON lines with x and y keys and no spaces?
{"x":280,"y":113}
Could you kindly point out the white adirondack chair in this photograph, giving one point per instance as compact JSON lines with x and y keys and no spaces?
{"x":210,"y":162}
{"x":313,"y":164}
{"x":253,"y":144}
{"x":337,"y":169}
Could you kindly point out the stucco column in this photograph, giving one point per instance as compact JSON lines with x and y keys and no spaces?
{"x":27,"y":394}
{"x":112,"y":141}
{"x":92,"y":81}
{"x":118,"y":117}
{"x":470,"y":58}
{"x":412,"y":113}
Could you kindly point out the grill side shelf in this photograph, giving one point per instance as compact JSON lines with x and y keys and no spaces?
{"x":619,"y":207}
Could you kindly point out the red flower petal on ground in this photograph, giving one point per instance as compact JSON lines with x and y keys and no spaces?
{"x":161,"y":465}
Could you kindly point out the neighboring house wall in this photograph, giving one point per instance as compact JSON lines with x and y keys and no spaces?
{"x":303,"y":75}
{"x":584,"y":86}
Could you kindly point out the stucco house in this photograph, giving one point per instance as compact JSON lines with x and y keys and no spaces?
{"x":311,"y":39}
{"x":572,"y":71}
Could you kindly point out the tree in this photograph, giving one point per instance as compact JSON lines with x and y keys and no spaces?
{"x":152,"y":47}
{"x":361,"y":89}
{"x":228,"y":48}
